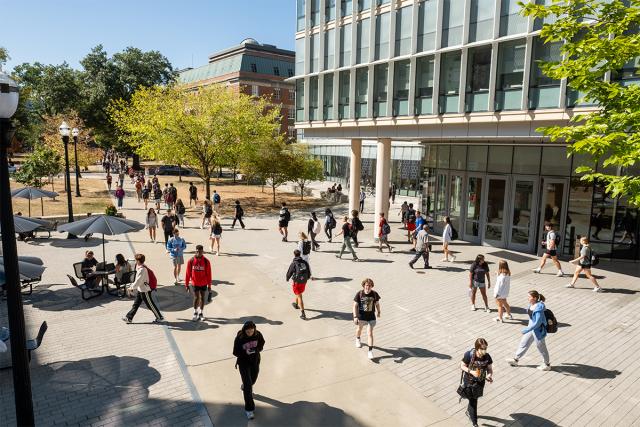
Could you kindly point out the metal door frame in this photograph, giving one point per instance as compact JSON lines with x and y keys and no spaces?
{"x":505,"y":206}
{"x":533,"y":219}
{"x":565,"y":201}
{"x":463,"y":234}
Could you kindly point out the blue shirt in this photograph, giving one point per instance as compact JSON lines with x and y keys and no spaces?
{"x":176,"y":246}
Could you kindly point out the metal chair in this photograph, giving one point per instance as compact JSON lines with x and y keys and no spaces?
{"x":92,"y":292}
{"x":121,"y":285}
{"x":34,"y":344}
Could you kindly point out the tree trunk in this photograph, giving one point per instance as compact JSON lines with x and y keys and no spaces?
{"x":136,"y":161}
{"x":179,"y":172}
{"x":274,"y":194}
{"x":234,"y":174}
{"x":301,"y":191}
{"x":220,"y":172}
{"x":207,"y":186}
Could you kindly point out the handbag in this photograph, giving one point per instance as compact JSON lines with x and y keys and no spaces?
{"x":472,"y":390}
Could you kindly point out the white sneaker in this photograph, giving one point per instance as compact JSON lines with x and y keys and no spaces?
{"x":497,"y":319}
{"x":512,"y":362}
{"x":536,"y":270}
{"x":510,"y":317}
{"x":569,"y":286}
{"x":544,"y":367}
{"x":358,"y":343}
{"x":598,"y":289}
{"x":370,"y":354}
{"x":453,"y":258}
{"x":473,"y":307}
{"x":560,"y":273}
{"x":195,"y":316}
{"x":487,"y":310}
{"x":249,"y":415}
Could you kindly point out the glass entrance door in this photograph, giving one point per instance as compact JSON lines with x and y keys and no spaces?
{"x":442,"y":196}
{"x":473,"y":212}
{"x":496,"y":209}
{"x":455,"y":199}
{"x":523,"y":219}
{"x":553,"y":207}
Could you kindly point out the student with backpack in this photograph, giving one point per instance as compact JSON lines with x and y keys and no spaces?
{"x":536,"y":330}
{"x":207,"y":212}
{"x":304,"y":246}
{"x":215,"y":234}
{"x":238,"y":214}
{"x":198,"y":274}
{"x":384,"y":229}
{"x":145,"y":196}
{"x":284,"y":216}
{"x":447,"y":237}
{"x":346,"y":239}
{"x":119,"y":193}
{"x":180,"y":210}
{"x":583,"y":265}
{"x":246,"y":348}
{"x":550,"y":243}
{"x":365,"y":305}
{"x":410,"y":222}
{"x":145,"y":281}
{"x":329,"y":223}
{"x":357,"y":226}
{"x":477,"y":368}
{"x":157,"y":196}
{"x":216,"y":201}
{"x":300,"y":271}
{"x":313,"y":228}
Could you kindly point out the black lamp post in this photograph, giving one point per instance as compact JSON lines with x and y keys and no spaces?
{"x":19,"y":356}
{"x":64,"y":131}
{"x":75,"y":132}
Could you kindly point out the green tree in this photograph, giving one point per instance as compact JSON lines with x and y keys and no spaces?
{"x":272,"y":162}
{"x":199,"y":130}
{"x":305,"y":168}
{"x":42,"y":162}
{"x":598,"y":39}
{"x":4,"y":56}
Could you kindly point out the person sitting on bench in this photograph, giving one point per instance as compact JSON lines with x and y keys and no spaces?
{"x":88,"y":269}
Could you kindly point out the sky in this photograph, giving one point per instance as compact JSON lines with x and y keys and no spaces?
{"x":185,"y":31}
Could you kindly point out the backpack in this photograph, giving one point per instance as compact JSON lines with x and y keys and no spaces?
{"x":216,"y":198}
{"x":332,"y":222}
{"x":240,"y":211}
{"x":552,"y":323}
{"x":301,"y":273}
{"x":358,"y":224}
{"x":306,"y":247}
{"x":454,"y":233}
{"x":287,"y":215}
{"x":595,"y":258}
{"x":153,"y":281}
{"x":386,"y":228}
{"x":316,"y":227}
{"x":208,"y":210}
{"x":181,"y":209}
{"x":217,"y":229}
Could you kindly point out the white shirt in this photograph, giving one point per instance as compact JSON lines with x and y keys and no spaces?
{"x":446,"y":233}
{"x":302,"y":255}
{"x":141,"y":284}
{"x":502,"y":286}
{"x":551,"y":240}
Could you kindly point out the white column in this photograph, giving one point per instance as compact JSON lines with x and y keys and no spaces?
{"x":383,"y":164}
{"x":354,"y":174}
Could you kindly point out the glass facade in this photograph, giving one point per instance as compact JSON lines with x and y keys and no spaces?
{"x":313,"y":98}
{"x":449,"y":83}
{"x":424,"y":85}
{"x":345,"y":45}
{"x":404,"y":22}
{"x":343,"y":95}
{"x":427,"y":21}
{"x":346,"y":7}
{"x":382,"y":36}
{"x":362,"y":89}
{"x":478,"y":79}
{"x":327,"y":97}
{"x":300,"y":13}
{"x":401,"y":75}
{"x":380,"y":73}
{"x":481,"y":20}
{"x":299,"y":100}
{"x":300,"y":50}
{"x":329,"y":10}
{"x":314,"y":48}
{"x":511,"y":21}
{"x":329,"y":49}
{"x":362,"y":46}
{"x":511,"y":58}
{"x":544,"y":92}
{"x":315,"y":12}
{"x":452,"y":22}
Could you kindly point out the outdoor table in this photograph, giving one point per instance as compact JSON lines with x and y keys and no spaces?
{"x":103,"y":276}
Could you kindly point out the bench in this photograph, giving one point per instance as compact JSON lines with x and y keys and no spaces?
{"x":31,"y":345}
{"x":91,"y":292}
{"x":46,"y":227}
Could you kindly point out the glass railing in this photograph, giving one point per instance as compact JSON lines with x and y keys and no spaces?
{"x":400,"y":107}
{"x":544,"y":97}
{"x":448,"y":103}
{"x":508,"y":99}
{"x":424,"y":106}
{"x":476,"y":101}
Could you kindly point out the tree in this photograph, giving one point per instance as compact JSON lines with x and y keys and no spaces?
{"x":199,"y":130}
{"x":598,"y":38}
{"x":51,"y":137}
{"x":272,"y":162}
{"x":305,"y":167}
{"x":42,"y":162}
{"x":4,"y":56}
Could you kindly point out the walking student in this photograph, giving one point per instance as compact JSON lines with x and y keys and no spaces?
{"x":216,"y":201}
{"x":176,"y":246}
{"x":478,"y":271}
{"x":422,"y":248}
{"x":346,"y":239}
{"x":145,"y":280}
{"x":551,"y":249}
{"x":207,"y":212}
{"x":583,"y":265}
{"x":145,"y":196}
{"x":300,"y":271}
{"x":180,"y":210}
{"x":363,"y":196}
{"x":238,"y":214}
{"x":365,"y":305}
{"x":357,"y":226}
{"x":329,"y":223}
{"x":384,"y":229}
{"x":157,"y":196}
{"x":152,"y":224}
{"x":313,"y":228}
{"x":477,"y":367}
{"x":501,"y":290}
{"x":246,"y":348}
{"x":215,"y":234}
{"x":109,"y":181}
{"x":193,"y":194}
{"x":284,"y":217}
{"x":119,"y":195}
{"x":169,"y":222}
{"x":447,"y":237}
{"x":536,"y":331}
{"x":198,"y":274}
{"x":304,"y":246}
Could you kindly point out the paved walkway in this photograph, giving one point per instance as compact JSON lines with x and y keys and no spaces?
{"x":311,"y":373}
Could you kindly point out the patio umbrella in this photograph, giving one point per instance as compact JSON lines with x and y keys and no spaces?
{"x":103,"y":224}
{"x":29,"y":268}
{"x":24,"y":224}
{"x":33,"y":193}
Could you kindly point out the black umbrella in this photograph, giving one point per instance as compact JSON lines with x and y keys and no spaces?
{"x":29,"y":268}
{"x":103,"y":224}
{"x":33,"y":193}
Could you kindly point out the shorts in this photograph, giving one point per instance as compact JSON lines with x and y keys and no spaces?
{"x":156,"y":201}
{"x":551,"y":252}
{"x":411,"y":226}
{"x":298,"y":288}
{"x":479,"y":285}
{"x":179,"y":260}
{"x":283,"y":224}
{"x":216,"y":236}
{"x":585,"y":266}
{"x":371,"y":323}
{"x":199,"y":290}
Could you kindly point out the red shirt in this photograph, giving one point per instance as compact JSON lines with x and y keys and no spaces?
{"x":198,"y":272}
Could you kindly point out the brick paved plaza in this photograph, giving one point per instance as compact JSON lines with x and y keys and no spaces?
{"x":95,"y":370}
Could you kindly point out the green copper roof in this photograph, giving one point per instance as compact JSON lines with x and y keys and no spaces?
{"x":238,"y":63}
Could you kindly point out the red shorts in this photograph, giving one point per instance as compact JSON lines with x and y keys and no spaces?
{"x":298,"y":288}
{"x":411,"y":226}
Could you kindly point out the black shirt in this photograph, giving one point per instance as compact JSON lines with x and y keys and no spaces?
{"x":87,"y":265}
{"x":366,"y":305}
{"x":247,"y":349}
{"x":479,"y":271}
{"x":193,"y":192}
{"x":479,"y":363}
{"x":168,"y":222}
{"x":346,"y":230}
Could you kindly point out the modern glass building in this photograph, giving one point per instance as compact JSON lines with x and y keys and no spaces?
{"x":443,"y":99}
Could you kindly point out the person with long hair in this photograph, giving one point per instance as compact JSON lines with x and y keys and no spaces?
{"x":477,"y":367}
{"x":313,"y":228}
{"x":215,"y":234}
{"x":152,"y":223}
{"x":207,"y":213}
{"x":122,"y":267}
{"x":478,"y":271}
{"x":356,"y":226}
{"x":501,"y":290}
{"x":247,"y":346}
{"x":536,"y":331}
{"x":583,"y":265}
{"x":180,"y":211}
{"x":447,"y":237}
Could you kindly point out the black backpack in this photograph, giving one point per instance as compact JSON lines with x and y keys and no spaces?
{"x":454,"y":233}
{"x":332,"y":222}
{"x":208,"y":210}
{"x":386,"y":228}
{"x":306,"y":247}
{"x":358,"y":224}
{"x":181,"y":209}
{"x":552,"y":323}
{"x":301,"y":273}
{"x":595,"y":258}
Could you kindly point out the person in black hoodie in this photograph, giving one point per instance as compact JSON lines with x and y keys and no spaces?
{"x":247,"y":347}
{"x":237,"y":216}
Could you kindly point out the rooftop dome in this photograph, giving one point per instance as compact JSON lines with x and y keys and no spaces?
{"x":249,"y":41}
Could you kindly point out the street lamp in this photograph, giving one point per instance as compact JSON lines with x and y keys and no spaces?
{"x":64,"y":131}
{"x":75,"y":132}
{"x":19,"y":356}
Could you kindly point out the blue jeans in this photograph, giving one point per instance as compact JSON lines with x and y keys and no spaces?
{"x":120,"y":202}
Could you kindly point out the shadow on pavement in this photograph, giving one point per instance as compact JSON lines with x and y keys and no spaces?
{"x":63,"y":299}
{"x":258,"y":320}
{"x":327,"y":314}
{"x":175,"y":298}
{"x":239,"y":254}
{"x":63,"y":242}
{"x":451,"y":269}
{"x":585,"y":371}
{"x":374,"y":260}
{"x":188,"y":325}
{"x":619,"y":291}
{"x":333,"y":279}
{"x":520,"y":419}
{"x":403,"y":353}
{"x":222,"y":282}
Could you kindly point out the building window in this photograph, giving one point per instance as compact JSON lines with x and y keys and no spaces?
{"x":300,"y":10}
{"x":254,"y":68}
{"x":449,"y":83}
{"x":510,"y":75}
{"x":292,"y":113}
{"x":314,"y":48}
{"x":345,"y":45}
{"x":544,"y":92}
{"x":346,"y":7}
{"x":276,"y":93}
{"x":404,"y":20}
{"x":300,"y":56}
{"x":299,"y":100}
{"x":290,"y":72}
{"x":327,"y":94}
{"x":382,"y":36}
{"x":313,"y":98}
{"x":329,"y":48}
{"x":362,"y":88}
{"x":381,"y":2}
{"x":291,"y":131}
{"x":380,"y":73}
{"x":424,"y":85}
{"x":478,"y":77}
{"x":401,"y":88}
{"x":343,"y":95}
{"x":363,"y":30}
{"x":481,"y":20}
{"x":452,"y":22}
{"x":364,"y":5}
{"x":329,"y":10}
{"x":315,"y":12}
{"x":511,"y":21}
{"x":427,"y":18}
{"x":255,"y":91}
{"x":276,"y":71}
{"x":292,"y":94}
